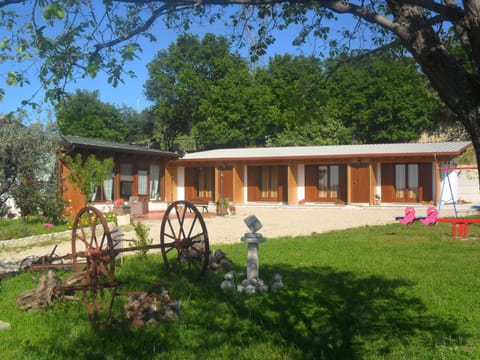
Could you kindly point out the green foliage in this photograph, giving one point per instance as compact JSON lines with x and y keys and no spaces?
{"x":27,"y":164}
{"x":182,"y":78}
{"x":142,"y":232}
{"x":84,"y":114}
{"x":222,"y":202}
{"x":382,"y":99}
{"x":376,"y":292}
{"x":468,"y":157}
{"x":292,"y":101}
{"x":88,"y":174}
{"x":34,"y":225}
{"x":53,"y":208}
{"x":111,"y":217}
{"x":67,"y":40}
{"x":26,"y":194}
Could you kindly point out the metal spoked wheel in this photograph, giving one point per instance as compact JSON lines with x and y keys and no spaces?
{"x":184,"y":240}
{"x":93,"y":253}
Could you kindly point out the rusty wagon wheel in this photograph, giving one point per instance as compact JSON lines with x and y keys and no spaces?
{"x":93,"y":253}
{"x":184,"y":240}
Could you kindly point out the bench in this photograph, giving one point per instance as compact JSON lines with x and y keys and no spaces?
{"x":118,"y":239}
{"x":202,"y":205}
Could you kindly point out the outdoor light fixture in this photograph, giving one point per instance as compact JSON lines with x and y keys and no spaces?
{"x":252,"y":223}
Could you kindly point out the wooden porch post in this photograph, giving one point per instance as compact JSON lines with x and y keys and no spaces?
{"x":292,"y":184}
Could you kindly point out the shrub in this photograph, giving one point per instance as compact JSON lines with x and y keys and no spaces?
{"x":53,"y":208}
{"x":142,"y":232}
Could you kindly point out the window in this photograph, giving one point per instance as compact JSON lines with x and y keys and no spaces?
{"x":105,"y":192}
{"x":126,"y":180}
{"x":328,"y":181}
{"x":142,"y":182}
{"x":406,"y":182}
{"x":154,"y":182}
{"x":269,"y":183}
{"x":203,"y":183}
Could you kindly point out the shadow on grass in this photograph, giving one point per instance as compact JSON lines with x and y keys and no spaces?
{"x":320,"y":313}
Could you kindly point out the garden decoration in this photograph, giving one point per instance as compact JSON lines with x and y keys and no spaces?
{"x":252,"y":283}
{"x":183,"y":242}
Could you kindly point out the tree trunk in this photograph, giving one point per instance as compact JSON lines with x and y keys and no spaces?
{"x":457,"y":86}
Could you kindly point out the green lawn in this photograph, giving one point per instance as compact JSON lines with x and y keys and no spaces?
{"x":382,"y":292}
{"x":17,"y":228}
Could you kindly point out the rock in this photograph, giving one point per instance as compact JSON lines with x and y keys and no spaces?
{"x":276,"y":285}
{"x":277,"y":277}
{"x":228,"y":276}
{"x":227,"y":285}
{"x":218,"y":255}
{"x":277,"y":282}
{"x":226,"y":264}
{"x":4,"y":325}
{"x":250,"y":290}
{"x":263,"y":288}
{"x":219,"y":261}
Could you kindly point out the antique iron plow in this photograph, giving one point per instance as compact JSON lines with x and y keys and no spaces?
{"x":183,"y":243}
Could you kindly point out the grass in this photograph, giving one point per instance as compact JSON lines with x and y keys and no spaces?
{"x":379,"y":292}
{"x":17,"y":228}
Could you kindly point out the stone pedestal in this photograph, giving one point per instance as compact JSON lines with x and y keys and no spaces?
{"x":252,"y":240}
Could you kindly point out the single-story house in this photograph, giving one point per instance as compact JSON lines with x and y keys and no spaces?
{"x":138,"y":171}
{"x":368,"y":174}
{"x":364,"y":174}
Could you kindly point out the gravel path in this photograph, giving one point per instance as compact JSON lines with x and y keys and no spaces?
{"x":277,"y":221}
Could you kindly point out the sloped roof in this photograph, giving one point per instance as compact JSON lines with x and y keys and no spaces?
{"x":334,"y":151}
{"x":70,"y":141}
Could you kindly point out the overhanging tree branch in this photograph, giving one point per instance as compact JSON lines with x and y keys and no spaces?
{"x":144,"y":27}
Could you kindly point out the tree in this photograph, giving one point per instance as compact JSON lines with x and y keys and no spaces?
{"x":300,"y":95}
{"x":27,"y":165}
{"x":88,"y":174}
{"x":181,"y":81}
{"x":442,"y":37}
{"x":84,"y":114}
{"x":238,"y":111}
{"x":382,"y":98}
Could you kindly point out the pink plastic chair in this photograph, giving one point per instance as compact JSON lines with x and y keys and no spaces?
{"x":432,"y":216}
{"x":409,"y":217}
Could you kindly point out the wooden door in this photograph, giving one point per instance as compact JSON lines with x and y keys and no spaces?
{"x":360,"y":183}
{"x":225,"y":183}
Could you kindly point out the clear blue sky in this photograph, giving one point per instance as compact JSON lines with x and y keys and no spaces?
{"x":131,"y":92}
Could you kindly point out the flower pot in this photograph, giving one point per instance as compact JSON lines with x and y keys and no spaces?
{"x":222,"y":210}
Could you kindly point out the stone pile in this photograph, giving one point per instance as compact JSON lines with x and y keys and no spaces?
{"x":149,"y":308}
{"x":251,"y":286}
{"x":219,"y":261}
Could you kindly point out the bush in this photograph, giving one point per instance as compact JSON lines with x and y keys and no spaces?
{"x":53,"y":209}
{"x":142,"y":232}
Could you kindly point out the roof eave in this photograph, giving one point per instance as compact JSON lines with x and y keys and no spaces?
{"x":449,"y":154}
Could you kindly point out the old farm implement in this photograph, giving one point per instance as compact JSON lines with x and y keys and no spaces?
{"x":183,"y":243}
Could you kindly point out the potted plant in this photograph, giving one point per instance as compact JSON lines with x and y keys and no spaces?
{"x":222,"y":206}
{"x":339,"y":202}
